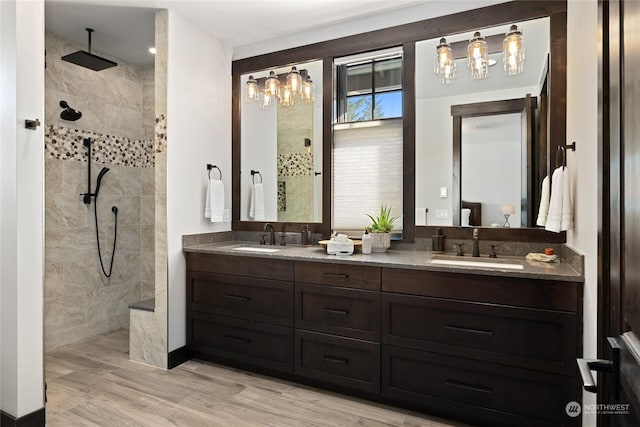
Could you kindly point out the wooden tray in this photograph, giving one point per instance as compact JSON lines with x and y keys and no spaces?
{"x":357,"y":244}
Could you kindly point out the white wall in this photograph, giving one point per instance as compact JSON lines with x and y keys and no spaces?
{"x":198,"y":132}
{"x":582,"y":122}
{"x":21,"y":206}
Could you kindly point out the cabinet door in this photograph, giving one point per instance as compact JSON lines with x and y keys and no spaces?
{"x":352,"y":313}
{"x":269,"y":301}
{"x":342,"y":361}
{"x":480,"y":392}
{"x":532,"y":338}
{"x":240,"y":341}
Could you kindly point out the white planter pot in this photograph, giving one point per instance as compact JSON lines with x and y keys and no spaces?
{"x":380,"y":242}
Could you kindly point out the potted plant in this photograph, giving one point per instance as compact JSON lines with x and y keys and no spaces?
{"x":380,"y":229}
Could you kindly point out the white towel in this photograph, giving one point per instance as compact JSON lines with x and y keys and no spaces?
{"x":256,"y":206}
{"x":543,"y":211}
{"x":554,"y":216}
{"x":214,"y":201}
{"x":566,"y":222}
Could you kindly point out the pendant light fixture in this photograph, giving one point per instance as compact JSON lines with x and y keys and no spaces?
{"x":445,"y":65}
{"x":478,"y":57}
{"x":306,"y":94}
{"x":286,"y":96}
{"x":272,"y":84}
{"x":266,"y":101}
{"x":252,"y":94}
{"x":294,"y":81}
{"x":513,"y":51}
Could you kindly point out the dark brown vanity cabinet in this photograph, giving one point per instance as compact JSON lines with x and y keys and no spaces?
{"x":499,"y":351}
{"x":337,"y":317}
{"x":241,"y":310}
{"x":488,"y":350}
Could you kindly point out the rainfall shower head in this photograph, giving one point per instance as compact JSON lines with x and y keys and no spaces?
{"x":87,"y":59}
{"x":69,"y":113}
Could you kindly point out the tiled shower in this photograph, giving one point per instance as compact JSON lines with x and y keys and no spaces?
{"x":118,"y":115}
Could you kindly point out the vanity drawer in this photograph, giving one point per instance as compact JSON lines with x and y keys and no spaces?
{"x":342,"y":361}
{"x":487,"y":393}
{"x":241,"y":341}
{"x":260,"y":300}
{"x":341,"y":275}
{"x":537,"y":293}
{"x":265,"y":268}
{"x":532,"y":338}
{"x":353,"y":313}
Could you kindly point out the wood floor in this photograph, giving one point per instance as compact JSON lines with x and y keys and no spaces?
{"x":93,"y":383}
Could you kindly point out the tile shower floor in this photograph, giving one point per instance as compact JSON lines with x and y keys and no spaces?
{"x":93,"y":383}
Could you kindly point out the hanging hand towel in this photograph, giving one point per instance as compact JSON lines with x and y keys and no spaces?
{"x":555,"y":205}
{"x":566,"y":222}
{"x":215,"y":200}
{"x":543,"y":212}
{"x":256,"y":206}
{"x":207,"y":200}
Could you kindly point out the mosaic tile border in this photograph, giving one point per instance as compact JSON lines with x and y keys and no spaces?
{"x":161,"y":134}
{"x":65,"y":143}
{"x":295,"y":164}
{"x":282,"y":196}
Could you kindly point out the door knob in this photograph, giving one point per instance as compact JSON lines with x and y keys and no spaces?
{"x":600,"y":365}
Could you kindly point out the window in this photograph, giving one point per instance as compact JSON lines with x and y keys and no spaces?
{"x":368,"y":139}
{"x":370,"y":90}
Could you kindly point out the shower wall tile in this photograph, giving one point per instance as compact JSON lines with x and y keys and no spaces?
{"x":148,"y":240}
{"x":124,"y":121}
{"x":55,"y":281}
{"x":133,"y":72}
{"x":147,"y":210}
{"x":133,"y":182}
{"x":64,"y":210}
{"x":148,"y":176}
{"x":53,"y":176}
{"x":65,"y":312}
{"x":148,"y":290}
{"x":129,"y":237}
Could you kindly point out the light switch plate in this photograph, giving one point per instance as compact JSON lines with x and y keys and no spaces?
{"x":443,"y":192}
{"x":442,"y":213}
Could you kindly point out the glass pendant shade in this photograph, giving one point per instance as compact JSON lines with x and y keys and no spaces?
{"x":478,"y":57}
{"x":252,"y":93}
{"x":272,"y":84}
{"x":294,"y":81}
{"x":306,"y":93}
{"x":286,"y":96}
{"x":266,"y":101}
{"x":513,"y":51}
{"x":445,"y":65}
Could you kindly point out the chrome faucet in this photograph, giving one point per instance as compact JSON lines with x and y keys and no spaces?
{"x":476,"y":243}
{"x":272,"y":238}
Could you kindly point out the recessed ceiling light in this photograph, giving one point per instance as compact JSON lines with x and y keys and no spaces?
{"x":152,"y":50}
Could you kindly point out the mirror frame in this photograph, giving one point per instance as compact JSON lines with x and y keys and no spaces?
{"x":407,"y":35}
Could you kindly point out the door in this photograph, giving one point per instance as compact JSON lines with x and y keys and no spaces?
{"x":619,"y":247}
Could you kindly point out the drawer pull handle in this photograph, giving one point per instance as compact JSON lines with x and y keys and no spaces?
{"x":333,"y":359}
{"x":237,"y":297}
{"x":469,"y":330}
{"x":335,"y":276}
{"x":336,"y":311}
{"x":469,"y":387}
{"x":237,"y":339}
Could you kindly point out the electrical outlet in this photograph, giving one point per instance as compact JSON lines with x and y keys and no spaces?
{"x":443,"y":192}
{"x":442,"y":213}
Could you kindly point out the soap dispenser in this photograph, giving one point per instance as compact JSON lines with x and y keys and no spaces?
{"x":366,"y":243}
{"x":437,"y":242}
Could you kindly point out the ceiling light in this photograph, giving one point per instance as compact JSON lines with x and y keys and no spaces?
{"x":478,"y":57}
{"x":445,"y":65}
{"x":152,"y":50}
{"x":513,"y":51}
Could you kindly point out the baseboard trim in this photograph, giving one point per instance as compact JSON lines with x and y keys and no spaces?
{"x":34,"y":419}
{"x":177,"y":357}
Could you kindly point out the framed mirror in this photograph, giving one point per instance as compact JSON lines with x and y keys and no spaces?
{"x":281,"y":145}
{"x":476,"y":138}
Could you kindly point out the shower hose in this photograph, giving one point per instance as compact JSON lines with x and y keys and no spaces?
{"x":114,"y":209}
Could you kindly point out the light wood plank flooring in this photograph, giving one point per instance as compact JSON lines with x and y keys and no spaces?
{"x":93,"y":383}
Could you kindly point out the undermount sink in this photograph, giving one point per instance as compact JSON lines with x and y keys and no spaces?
{"x":252,"y":248}
{"x":494,"y":263}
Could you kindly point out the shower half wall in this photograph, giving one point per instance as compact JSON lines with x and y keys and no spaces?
{"x":118,"y":115}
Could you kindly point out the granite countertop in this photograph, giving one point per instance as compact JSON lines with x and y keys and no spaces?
{"x":410,"y":259}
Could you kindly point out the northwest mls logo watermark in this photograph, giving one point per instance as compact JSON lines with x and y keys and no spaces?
{"x":573,"y":409}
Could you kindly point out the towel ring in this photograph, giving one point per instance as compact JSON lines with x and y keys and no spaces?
{"x":253,"y":176}
{"x":210,"y":166}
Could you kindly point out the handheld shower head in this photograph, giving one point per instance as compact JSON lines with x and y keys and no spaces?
{"x":69,"y":113}
{"x":99,"y":180}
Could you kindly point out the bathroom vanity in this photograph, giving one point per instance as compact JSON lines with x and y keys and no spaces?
{"x":490,"y":346}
